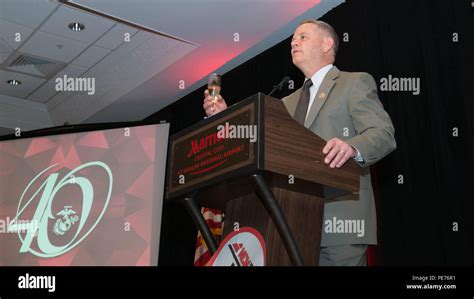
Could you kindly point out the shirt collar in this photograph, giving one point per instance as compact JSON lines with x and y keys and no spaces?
{"x":318,"y":77}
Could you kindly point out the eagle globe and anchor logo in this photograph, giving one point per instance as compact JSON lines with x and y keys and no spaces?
{"x":68,"y":218}
{"x":65,"y":219}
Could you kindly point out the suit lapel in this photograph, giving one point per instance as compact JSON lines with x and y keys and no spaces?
{"x":321,"y":95}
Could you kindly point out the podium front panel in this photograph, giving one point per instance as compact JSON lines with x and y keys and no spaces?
{"x":206,"y":154}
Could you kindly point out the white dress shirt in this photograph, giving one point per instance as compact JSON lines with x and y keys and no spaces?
{"x":317,"y":78}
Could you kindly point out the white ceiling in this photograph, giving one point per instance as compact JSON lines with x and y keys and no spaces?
{"x":170,"y":41}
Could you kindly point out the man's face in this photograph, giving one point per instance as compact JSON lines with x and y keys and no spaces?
{"x":307,"y":46}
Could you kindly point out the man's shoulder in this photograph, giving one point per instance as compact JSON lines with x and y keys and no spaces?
{"x":362,"y":78}
{"x":355,"y":75}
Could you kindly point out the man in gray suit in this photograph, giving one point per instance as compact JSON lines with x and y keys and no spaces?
{"x":342,"y":108}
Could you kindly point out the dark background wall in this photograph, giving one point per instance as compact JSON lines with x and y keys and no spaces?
{"x":408,"y":38}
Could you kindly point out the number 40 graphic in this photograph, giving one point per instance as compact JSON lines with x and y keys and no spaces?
{"x":43,"y":214}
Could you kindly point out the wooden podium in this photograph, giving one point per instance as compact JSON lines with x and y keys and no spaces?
{"x":265,"y":170}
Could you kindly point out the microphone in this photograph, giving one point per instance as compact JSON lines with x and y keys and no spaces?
{"x":280,"y":85}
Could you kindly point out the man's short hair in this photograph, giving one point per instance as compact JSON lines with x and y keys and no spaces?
{"x":327,"y":29}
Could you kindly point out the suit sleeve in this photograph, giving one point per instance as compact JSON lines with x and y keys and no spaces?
{"x":375,"y":133}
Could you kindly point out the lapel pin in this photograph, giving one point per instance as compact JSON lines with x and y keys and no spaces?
{"x":322,"y":95}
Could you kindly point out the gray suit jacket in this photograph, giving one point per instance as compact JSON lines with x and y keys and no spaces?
{"x":346,"y":106}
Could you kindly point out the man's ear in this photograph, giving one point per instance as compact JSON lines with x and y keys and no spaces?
{"x":328,"y":44}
